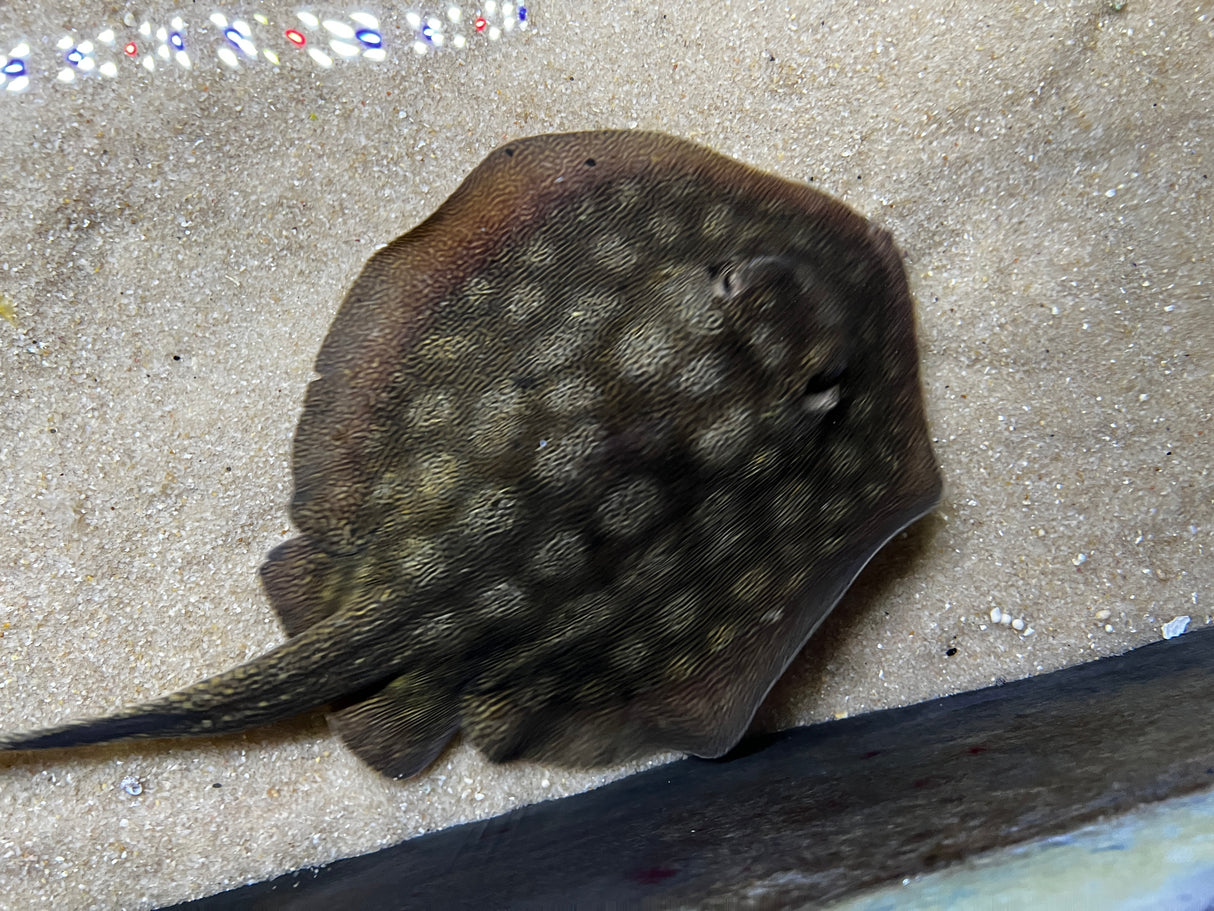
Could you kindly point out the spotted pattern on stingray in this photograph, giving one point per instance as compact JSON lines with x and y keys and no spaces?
{"x":592,"y":452}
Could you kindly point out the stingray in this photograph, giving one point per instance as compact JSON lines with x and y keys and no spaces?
{"x":591,"y":453}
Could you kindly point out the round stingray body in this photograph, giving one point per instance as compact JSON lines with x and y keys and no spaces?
{"x":597,"y":446}
{"x":592,"y":452}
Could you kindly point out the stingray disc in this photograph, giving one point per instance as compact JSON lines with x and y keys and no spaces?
{"x":592,"y":452}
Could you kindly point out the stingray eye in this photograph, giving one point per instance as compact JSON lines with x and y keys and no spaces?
{"x":729,"y":279}
{"x":726,"y":280}
{"x":821,"y":392}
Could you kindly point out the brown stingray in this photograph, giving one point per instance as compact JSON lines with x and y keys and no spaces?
{"x":593,"y":451}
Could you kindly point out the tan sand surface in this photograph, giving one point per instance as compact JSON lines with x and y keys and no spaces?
{"x":173,"y":246}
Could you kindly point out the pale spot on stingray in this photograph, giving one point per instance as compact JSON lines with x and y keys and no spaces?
{"x":420,"y":563}
{"x":630,"y":195}
{"x":540,"y":252}
{"x":584,"y":614}
{"x":645,"y":350}
{"x":836,"y":509}
{"x":703,"y":376}
{"x":478,"y":288}
{"x":438,"y":476}
{"x":496,"y":421}
{"x":685,"y":193}
{"x":772,"y":615}
{"x":665,"y":227}
{"x":831,"y":545}
{"x":702,"y":314}
{"x":651,"y":567}
{"x":557,"y":348}
{"x":431,"y":409}
{"x":589,"y":307}
{"x":722,"y":520}
{"x":421,"y":493}
{"x":505,"y":599}
{"x":627,"y":509}
{"x":501,"y":402}
{"x":490,"y":512}
{"x":720,"y":220}
{"x":769,"y":346}
{"x":683,"y":667}
{"x":753,"y":584}
{"x":572,"y":394}
{"x":749,"y":233}
{"x":846,"y":458}
{"x":563,"y":554}
{"x":445,"y":348}
{"x":721,"y":506}
{"x":614,"y":253}
{"x":726,"y":439}
{"x":526,"y":301}
{"x":630,"y":654}
{"x":763,"y":463}
{"x":687,"y":287}
{"x":563,"y":460}
{"x":680,"y":610}
{"x":720,"y":637}
{"x":793,"y":501}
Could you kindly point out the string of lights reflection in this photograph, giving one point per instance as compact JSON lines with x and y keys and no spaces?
{"x":235,"y":42}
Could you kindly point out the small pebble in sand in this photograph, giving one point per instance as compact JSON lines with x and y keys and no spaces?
{"x":1001,"y":617}
{"x":1175,"y":627}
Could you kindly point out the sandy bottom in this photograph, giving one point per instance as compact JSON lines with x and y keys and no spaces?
{"x":175,"y":244}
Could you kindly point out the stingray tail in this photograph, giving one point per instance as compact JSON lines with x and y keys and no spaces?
{"x":333,"y":658}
